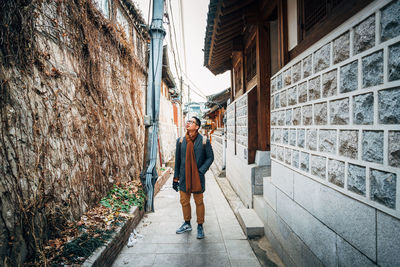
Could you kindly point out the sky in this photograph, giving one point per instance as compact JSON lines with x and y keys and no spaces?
{"x":194,"y":24}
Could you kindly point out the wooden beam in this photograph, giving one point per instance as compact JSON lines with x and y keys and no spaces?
{"x":267,"y":7}
{"x":225,"y":49}
{"x":232,"y":86}
{"x":219,"y":52}
{"x":231,"y":22}
{"x":221,"y":68}
{"x":222,"y":55}
{"x":237,"y":44}
{"x":230,"y":17}
{"x":244,"y":83}
{"x":263,"y":85}
{"x":251,"y":14}
{"x":283,"y":53}
{"x":223,"y":34}
{"x":229,"y":37}
{"x":226,"y":40}
{"x":236,"y":6}
{"x":221,"y":58}
{"x":216,"y":22}
{"x":252,"y":126}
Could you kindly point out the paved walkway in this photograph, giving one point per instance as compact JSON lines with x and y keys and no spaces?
{"x":224,"y":245}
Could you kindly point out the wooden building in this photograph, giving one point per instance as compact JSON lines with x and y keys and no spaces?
{"x":313,"y":121}
{"x":255,"y":38}
{"x":217,"y":107}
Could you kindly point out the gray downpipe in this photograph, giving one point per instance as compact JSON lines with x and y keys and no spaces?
{"x":157,"y":34}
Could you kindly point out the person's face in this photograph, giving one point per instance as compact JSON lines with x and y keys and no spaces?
{"x":191,"y":125}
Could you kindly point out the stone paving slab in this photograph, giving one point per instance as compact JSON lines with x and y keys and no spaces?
{"x":225,"y":243}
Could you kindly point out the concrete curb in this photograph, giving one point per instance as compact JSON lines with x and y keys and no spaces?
{"x":106,"y":255}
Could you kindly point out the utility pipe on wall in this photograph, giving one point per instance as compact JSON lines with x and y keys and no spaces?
{"x":157,"y":34}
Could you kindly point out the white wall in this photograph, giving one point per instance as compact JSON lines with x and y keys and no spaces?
{"x":168,"y":130}
{"x":292,"y":23}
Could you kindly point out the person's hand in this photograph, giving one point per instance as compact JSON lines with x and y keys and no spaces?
{"x":175,"y":184}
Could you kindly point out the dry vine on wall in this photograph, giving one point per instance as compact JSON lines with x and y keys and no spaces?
{"x":71,"y":118}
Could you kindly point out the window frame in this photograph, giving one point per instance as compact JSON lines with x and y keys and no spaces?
{"x":336,"y":16}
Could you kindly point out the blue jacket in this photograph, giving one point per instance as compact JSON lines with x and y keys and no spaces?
{"x":204,"y":158}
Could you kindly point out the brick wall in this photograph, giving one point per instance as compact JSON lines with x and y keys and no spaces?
{"x":336,"y":109}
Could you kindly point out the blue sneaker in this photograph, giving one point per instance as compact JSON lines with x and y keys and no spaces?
{"x":184,"y":228}
{"x":200,"y":232}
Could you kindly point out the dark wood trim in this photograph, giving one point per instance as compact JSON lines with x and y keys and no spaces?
{"x":216,"y":22}
{"x":239,"y":93}
{"x":236,"y":6}
{"x":230,"y":17}
{"x":253,"y":82}
{"x":237,"y":44}
{"x":251,"y":14}
{"x":243,"y":76}
{"x":300,"y":16}
{"x":228,"y":36}
{"x":228,"y":30}
{"x":237,"y":60}
{"x":235,"y":130}
{"x":229,"y":23}
{"x":342,"y":12}
{"x":267,"y":8}
{"x":283,"y":53}
{"x":263,"y":76}
{"x":252,"y":125}
{"x":221,"y":55}
{"x":232,"y":85}
{"x":250,"y":40}
{"x":248,"y":44}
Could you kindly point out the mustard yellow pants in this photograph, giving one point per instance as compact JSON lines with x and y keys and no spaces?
{"x":186,"y":209}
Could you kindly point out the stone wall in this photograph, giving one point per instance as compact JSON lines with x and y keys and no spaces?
{"x":241,"y":121}
{"x":71,"y":118}
{"x":336,"y":110}
{"x":230,"y":122}
{"x":333,"y":197}
{"x":237,"y":125}
{"x":239,"y":173}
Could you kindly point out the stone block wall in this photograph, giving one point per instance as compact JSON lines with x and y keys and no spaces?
{"x":237,"y":124}
{"x":241,"y":121}
{"x":230,"y":122}
{"x":333,"y":198}
{"x":238,"y":171}
{"x":335,"y":114}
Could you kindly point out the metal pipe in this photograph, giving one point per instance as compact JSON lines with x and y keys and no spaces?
{"x":157,"y":34}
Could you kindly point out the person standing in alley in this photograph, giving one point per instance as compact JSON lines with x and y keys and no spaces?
{"x":193,"y":157}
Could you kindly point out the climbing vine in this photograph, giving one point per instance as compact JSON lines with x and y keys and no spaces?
{"x":71,"y":118}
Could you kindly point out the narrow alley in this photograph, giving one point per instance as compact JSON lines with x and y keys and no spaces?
{"x":224,"y":245}
{"x":283,"y":114}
